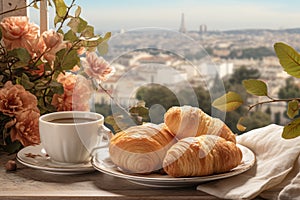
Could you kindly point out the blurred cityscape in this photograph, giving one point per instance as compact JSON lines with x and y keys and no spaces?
{"x":183,"y":58}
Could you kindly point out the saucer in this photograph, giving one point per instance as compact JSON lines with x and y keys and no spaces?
{"x":37,"y":158}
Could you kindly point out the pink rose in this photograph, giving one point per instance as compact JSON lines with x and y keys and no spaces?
{"x":49,"y":44}
{"x":96,"y":67}
{"x":77,"y":93}
{"x":14,"y":99}
{"x":17,"y":32}
{"x":26,"y":128}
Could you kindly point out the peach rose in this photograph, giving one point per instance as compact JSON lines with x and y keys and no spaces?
{"x":96,"y":67}
{"x":26,"y":128}
{"x":14,"y":99}
{"x":77,"y":92}
{"x":17,"y":32}
{"x":49,"y":44}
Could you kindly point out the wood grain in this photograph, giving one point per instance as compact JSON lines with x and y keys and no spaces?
{"x":27,"y":183}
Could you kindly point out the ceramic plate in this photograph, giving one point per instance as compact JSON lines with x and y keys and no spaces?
{"x":36,"y":157}
{"x":102,"y":162}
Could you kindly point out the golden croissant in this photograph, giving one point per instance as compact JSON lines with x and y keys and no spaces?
{"x":201,"y":156}
{"x":187,"y":121}
{"x":141,"y":149}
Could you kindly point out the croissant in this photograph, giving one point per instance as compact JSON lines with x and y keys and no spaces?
{"x":187,"y":121}
{"x":141,"y":149}
{"x":201,"y":156}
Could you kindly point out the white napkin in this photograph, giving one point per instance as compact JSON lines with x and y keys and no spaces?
{"x":275,"y":174}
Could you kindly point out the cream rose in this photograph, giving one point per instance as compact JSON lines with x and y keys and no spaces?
{"x":17,"y":32}
{"x":96,"y":67}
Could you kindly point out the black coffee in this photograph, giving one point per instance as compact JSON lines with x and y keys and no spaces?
{"x":71,"y":120}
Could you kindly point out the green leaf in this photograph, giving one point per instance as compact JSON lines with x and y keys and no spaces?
{"x":289,"y":59}
{"x":102,"y":48}
{"x":256,"y":87}
{"x":57,"y":20}
{"x":88,"y":32}
{"x":26,"y":82}
{"x":20,"y":53}
{"x":293,"y":108}
{"x":78,"y":11}
{"x":77,"y":25}
{"x":60,"y":7}
{"x":70,"y":36}
{"x":82,"y":25}
{"x":240,"y":126}
{"x":292,"y":130}
{"x":56,"y":87}
{"x":35,"y":5}
{"x":228,"y":102}
{"x":107,"y":36}
{"x":140,"y":111}
{"x":13,"y":147}
{"x":70,"y":60}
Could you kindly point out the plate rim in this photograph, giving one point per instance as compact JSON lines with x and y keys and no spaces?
{"x":143,"y":179}
{"x":65,"y":169}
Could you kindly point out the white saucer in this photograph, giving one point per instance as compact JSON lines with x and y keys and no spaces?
{"x":102,"y":162}
{"x":37,"y":158}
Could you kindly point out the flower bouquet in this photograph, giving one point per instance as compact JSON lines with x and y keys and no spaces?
{"x":56,"y":70}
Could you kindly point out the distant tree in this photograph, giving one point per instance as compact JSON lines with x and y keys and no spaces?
{"x":157,"y":94}
{"x":255,"y":53}
{"x":277,"y":117}
{"x":257,"y":119}
{"x":103,"y":109}
{"x":290,"y":90}
{"x":268,"y":110}
{"x":203,"y":98}
{"x":241,"y":74}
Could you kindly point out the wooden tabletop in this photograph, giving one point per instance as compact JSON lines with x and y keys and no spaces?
{"x":28,"y":183}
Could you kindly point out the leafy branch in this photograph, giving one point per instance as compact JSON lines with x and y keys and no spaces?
{"x":289,"y":59}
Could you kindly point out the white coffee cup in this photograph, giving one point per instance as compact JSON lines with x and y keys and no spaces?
{"x":71,"y":136}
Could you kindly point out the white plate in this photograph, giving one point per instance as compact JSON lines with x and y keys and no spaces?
{"x":36,"y":157}
{"x":102,"y":162}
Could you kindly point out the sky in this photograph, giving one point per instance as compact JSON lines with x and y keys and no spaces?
{"x":113,"y":15}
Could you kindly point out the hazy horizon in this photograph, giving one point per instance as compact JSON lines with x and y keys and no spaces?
{"x":217,"y":15}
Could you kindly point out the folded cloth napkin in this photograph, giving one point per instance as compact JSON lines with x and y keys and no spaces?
{"x":275,"y":174}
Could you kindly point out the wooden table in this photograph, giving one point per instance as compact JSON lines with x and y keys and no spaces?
{"x":28,"y":183}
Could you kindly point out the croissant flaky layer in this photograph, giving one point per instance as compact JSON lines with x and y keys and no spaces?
{"x":141,"y":149}
{"x":201,"y":156}
{"x":187,"y":121}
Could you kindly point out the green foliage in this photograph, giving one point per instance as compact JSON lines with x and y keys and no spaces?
{"x":255,"y":53}
{"x":241,"y":74}
{"x":228,"y":102}
{"x":256,"y":87}
{"x":289,"y":59}
{"x":39,"y":75}
{"x":292,"y":130}
{"x":156,"y":94}
{"x":293,"y":108}
{"x":136,"y":115}
{"x":290,"y":90}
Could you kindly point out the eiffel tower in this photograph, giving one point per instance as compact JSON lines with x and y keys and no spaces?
{"x":182,"y":28}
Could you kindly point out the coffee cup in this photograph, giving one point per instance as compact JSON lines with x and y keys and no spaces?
{"x":72,"y":136}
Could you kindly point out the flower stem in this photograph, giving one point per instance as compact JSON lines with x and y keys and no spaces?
{"x":113,"y":99}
